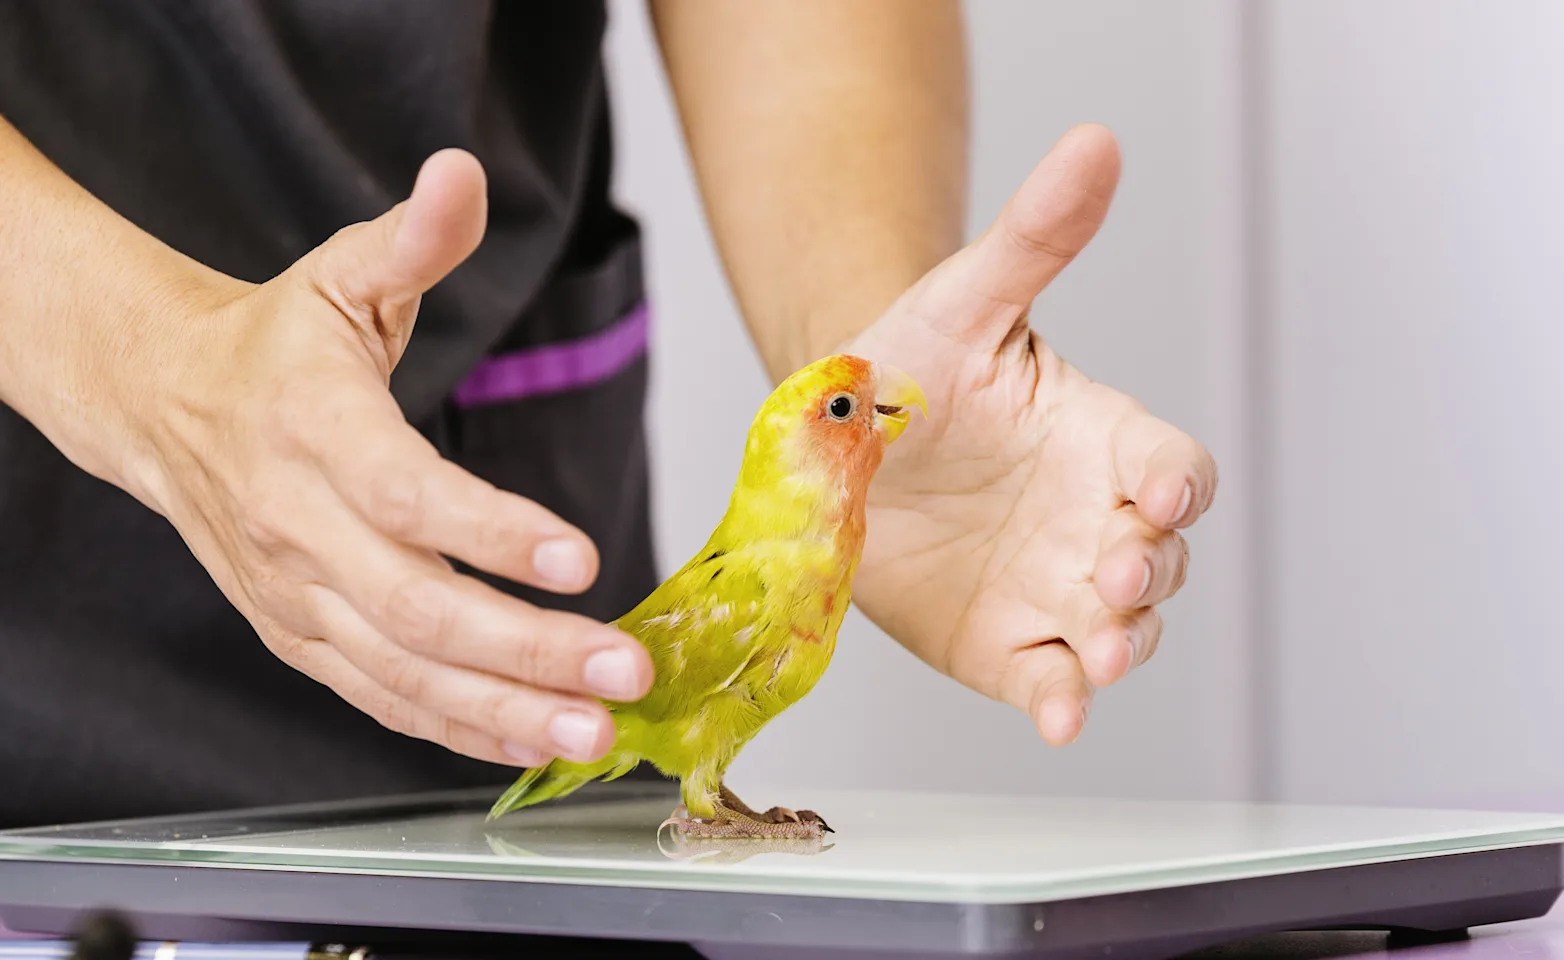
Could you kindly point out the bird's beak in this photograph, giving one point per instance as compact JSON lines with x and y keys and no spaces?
{"x":894,"y":395}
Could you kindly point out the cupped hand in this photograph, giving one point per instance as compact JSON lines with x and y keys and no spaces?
{"x":279,"y":453}
{"x":1021,"y":540}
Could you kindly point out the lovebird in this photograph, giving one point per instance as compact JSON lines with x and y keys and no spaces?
{"x":747,"y":627}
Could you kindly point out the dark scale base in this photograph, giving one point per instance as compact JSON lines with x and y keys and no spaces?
{"x":1412,"y":897}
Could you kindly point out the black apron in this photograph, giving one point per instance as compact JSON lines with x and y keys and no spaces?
{"x":244,"y":133}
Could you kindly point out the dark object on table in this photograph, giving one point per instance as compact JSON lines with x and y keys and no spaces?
{"x":104,"y":935}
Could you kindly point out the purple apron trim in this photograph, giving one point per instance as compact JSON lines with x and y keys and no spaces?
{"x":557,"y":367}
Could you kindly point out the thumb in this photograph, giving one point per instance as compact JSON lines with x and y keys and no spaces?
{"x":983,"y":291}
{"x":375,"y":272}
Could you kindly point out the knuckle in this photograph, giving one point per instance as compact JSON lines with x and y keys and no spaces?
{"x":534,"y":658}
{"x":496,"y":712}
{"x":404,"y":676}
{"x":530,"y":660}
{"x":379,"y":704}
{"x":1059,"y":683}
{"x":278,"y":597}
{"x":463,"y":739}
{"x":1151,"y":634}
{"x":437,"y":728}
{"x":1035,"y":245}
{"x":495,"y":538}
{"x":396,"y":716}
{"x":418,"y":614}
{"x":396,"y":503}
{"x":500,"y":542}
{"x":347,"y":234}
{"x":264,"y":524}
{"x":1208,"y":466}
{"x":512,"y":525}
{"x":263,"y":532}
{"x":291,"y":649}
{"x":1180,"y":549}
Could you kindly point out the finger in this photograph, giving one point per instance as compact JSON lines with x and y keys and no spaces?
{"x":375,"y":272}
{"x":1046,"y":682}
{"x":423,"y":606}
{"x":1139,"y":565}
{"x":1169,"y":477}
{"x":321,"y":662}
{"x":441,"y":225}
{"x":1117,"y":642}
{"x":1145,"y":635}
{"x":399,"y":483}
{"x":519,"y":716}
{"x":980,"y":292}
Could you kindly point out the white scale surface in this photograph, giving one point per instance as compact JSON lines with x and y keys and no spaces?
{"x":921,"y":848}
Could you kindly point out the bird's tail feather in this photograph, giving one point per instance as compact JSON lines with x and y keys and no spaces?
{"x":557,"y":778}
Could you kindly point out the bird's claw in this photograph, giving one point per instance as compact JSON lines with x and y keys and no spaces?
{"x":784,"y":815}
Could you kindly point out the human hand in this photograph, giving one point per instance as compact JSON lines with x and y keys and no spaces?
{"x":270,"y":439}
{"x":1021,"y":540}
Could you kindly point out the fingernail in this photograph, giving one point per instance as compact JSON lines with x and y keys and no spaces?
{"x":611,"y":674}
{"x":1134,"y":644}
{"x":524,"y":755}
{"x":1183,"y":504}
{"x":1145,"y":580}
{"x":575,"y":734}
{"x":559,"y":562}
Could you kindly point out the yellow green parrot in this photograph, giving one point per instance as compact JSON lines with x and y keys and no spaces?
{"x":746,"y":628}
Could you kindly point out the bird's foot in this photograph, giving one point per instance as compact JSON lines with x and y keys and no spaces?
{"x":729,"y":805}
{"x":778,"y":823}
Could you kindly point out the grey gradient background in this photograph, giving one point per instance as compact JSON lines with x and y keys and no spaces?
{"x":1335,"y":258}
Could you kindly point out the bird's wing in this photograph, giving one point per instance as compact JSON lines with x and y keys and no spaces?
{"x":701,"y":627}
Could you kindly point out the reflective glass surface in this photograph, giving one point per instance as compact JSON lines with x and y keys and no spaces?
{"x":895,"y":846}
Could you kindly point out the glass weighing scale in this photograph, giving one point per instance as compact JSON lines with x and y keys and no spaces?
{"x":904,"y":875}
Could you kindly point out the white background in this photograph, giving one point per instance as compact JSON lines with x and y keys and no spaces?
{"x":1335,"y":259}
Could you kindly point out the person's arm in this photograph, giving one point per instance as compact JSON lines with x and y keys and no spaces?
{"x":1022,"y":538}
{"x":84,"y":295}
{"x":258,"y":420}
{"x":830,"y":143}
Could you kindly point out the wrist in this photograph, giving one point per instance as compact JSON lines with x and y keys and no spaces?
{"x":167,"y":351}
{"x":91,"y":309}
{"x":95,"y":376}
{"x":827,"y":321}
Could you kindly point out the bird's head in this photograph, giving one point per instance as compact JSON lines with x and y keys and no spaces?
{"x":830,"y":422}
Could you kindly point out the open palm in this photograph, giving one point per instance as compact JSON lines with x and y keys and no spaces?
{"x":1021,"y":539}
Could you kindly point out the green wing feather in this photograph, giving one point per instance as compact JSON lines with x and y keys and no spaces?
{"x":692,"y":647}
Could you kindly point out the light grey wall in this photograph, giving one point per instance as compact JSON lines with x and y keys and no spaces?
{"x":1337,"y":257}
{"x":1153,"y":307}
{"x":1415,"y":319}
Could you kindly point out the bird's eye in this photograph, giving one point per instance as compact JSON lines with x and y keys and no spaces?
{"x":842,"y":406}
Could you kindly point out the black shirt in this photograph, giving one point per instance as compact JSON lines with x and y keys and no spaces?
{"x":244,"y":133}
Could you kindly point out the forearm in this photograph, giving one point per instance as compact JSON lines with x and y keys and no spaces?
{"x":830,"y":143}
{"x":84,"y":295}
